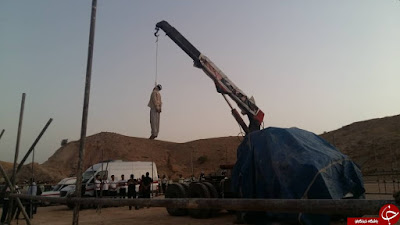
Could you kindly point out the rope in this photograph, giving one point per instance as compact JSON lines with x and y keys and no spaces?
{"x":155,"y":81}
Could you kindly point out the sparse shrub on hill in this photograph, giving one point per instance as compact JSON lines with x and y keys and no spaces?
{"x":202,"y":159}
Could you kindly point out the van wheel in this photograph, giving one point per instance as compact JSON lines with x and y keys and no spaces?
{"x":175,"y":191}
{"x":199,"y":190}
{"x":213,"y":194}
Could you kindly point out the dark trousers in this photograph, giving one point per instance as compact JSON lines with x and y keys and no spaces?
{"x":131,"y":194}
{"x":112,"y":193}
{"x":5,"y":211}
{"x":105,"y":193}
{"x":98,"y":193}
{"x":164,"y":188}
{"x":146,"y":193}
{"x":122,"y":192}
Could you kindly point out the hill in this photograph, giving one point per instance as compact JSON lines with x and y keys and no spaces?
{"x":372,"y":144}
{"x":171,"y":158}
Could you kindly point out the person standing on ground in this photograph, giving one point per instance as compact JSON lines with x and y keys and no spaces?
{"x":181,"y":179}
{"x":5,"y":205}
{"x":132,"y":189}
{"x":141,"y":187}
{"x":113,"y":187}
{"x":164,"y":182}
{"x":105,"y":186}
{"x":147,"y":181}
{"x":97,"y":185}
{"x":155,"y":110}
{"x":32,"y":190}
{"x":122,"y":184}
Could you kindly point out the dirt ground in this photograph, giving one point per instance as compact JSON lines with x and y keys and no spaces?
{"x":61,"y":215}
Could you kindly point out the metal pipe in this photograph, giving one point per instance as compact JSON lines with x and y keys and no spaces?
{"x":1,"y":134}
{"x":3,"y":172}
{"x":32,"y":148}
{"x":33,"y":145}
{"x":21,"y":116}
{"x":75,"y":220}
{"x":315,"y":206}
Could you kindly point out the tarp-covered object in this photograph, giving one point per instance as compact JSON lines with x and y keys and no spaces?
{"x":291,"y":163}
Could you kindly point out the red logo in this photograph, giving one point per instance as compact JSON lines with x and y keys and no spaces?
{"x":389,"y":214}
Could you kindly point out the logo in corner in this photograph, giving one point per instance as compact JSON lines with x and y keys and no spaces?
{"x":390,"y":214}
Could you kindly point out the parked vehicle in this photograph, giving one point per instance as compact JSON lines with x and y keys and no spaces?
{"x":70,"y":189}
{"x":117,"y":168}
{"x":55,"y":192}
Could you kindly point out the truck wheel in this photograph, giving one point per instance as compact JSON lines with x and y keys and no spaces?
{"x":175,"y":191}
{"x":186,"y":187}
{"x":213,"y":194}
{"x":199,"y":190}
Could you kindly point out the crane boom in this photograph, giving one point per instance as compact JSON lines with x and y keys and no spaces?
{"x":222,"y":82}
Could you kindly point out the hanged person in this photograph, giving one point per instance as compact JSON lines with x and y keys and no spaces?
{"x":155,"y":110}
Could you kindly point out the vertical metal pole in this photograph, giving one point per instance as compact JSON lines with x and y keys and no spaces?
{"x":191,"y":162}
{"x":21,"y":116}
{"x":75,"y":220}
{"x":33,"y":160}
{"x":30,"y":200}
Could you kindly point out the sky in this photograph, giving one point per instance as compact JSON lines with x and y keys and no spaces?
{"x":317,"y":65}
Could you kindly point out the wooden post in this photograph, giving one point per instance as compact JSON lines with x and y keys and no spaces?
{"x":75,"y":220}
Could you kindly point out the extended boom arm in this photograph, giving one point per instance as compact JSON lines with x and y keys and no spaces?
{"x":222,"y":82}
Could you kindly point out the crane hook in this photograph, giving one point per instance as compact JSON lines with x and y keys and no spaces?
{"x":156,"y":33}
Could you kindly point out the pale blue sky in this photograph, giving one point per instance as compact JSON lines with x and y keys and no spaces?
{"x":317,"y":65}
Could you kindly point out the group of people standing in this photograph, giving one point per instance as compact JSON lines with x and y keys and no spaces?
{"x":123,"y":188}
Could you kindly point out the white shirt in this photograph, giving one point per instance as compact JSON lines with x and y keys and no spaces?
{"x":97,"y":183}
{"x":113,"y":185}
{"x":122,"y":184}
{"x":32,"y":189}
{"x":105,"y":185}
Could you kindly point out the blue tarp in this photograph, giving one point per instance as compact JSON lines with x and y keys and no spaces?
{"x":291,"y":163}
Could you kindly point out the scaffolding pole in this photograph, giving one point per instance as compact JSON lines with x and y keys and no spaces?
{"x":316,"y":206}
{"x":21,"y":116}
{"x":75,"y":219}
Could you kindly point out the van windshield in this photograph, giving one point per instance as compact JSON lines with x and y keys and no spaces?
{"x":87,"y":175}
{"x":57,"y":187}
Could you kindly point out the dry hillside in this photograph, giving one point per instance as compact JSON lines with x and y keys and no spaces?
{"x":171,"y":158}
{"x":373,"y":144}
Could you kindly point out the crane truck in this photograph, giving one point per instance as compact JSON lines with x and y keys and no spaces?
{"x":213,"y":186}
{"x":223,"y":84}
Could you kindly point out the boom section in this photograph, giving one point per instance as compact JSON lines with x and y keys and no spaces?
{"x":223,"y":84}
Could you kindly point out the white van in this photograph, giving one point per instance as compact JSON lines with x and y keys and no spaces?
{"x":55,"y":192}
{"x":117,"y":168}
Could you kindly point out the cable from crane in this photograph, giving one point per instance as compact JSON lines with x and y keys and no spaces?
{"x":156,"y":76}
